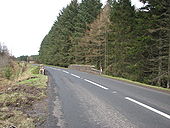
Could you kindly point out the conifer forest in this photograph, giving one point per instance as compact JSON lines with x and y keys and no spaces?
{"x":125,"y":41}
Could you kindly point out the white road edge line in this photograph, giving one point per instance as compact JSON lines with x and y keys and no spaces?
{"x":148,"y":107}
{"x":75,"y":75}
{"x":96,"y":84}
{"x":65,"y":72}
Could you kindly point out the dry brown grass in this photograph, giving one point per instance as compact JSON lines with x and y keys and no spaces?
{"x":18,"y":94}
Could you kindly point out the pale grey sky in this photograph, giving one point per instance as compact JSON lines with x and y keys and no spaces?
{"x":24,"y":23}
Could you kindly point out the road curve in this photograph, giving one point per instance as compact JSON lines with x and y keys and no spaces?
{"x":83,"y":100}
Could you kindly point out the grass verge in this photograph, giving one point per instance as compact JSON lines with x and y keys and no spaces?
{"x":138,"y":83}
{"x":20,"y":96}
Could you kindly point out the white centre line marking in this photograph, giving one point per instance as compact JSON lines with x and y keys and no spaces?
{"x":148,"y":107}
{"x":96,"y":84}
{"x":55,"y":69}
{"x":114,"y":92}
{"x":75,"y":75}
{"x":65,"y":72}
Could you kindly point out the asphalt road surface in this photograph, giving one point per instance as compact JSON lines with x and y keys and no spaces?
{"x":83,"y":100}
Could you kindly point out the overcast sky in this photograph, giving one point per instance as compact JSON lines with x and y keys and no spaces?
{"x":24,"y":23}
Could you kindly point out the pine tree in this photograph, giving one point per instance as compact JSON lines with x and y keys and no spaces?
{"x":121,"y":35}
{"x":158,"y":30}
{"x":129,"y":43}
{"x":55,"y":48}
{"x":88,"y":12}
{"x":58,"y":47}
{"x":94,"y":43}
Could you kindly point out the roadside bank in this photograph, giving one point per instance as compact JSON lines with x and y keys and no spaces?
{"x":23,"y":100}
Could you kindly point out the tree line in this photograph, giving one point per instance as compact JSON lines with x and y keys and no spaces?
{"x":124,"y":41}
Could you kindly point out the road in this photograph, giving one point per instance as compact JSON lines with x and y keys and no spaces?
{"x":82,"y":100}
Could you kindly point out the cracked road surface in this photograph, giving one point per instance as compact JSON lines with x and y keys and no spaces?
{"x":82,"y":100}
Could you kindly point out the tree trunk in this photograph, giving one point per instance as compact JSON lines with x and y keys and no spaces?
{"x":168,"y":82}
{"x":159,"y":66}
{"x":159,"y":71}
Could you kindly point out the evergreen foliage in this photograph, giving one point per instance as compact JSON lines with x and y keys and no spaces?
{"x":94,"y":43}
{"x":124,"y":41}
{"x":22,"y":58}
{"x":59,"y":46}
{"x":121,"y":43}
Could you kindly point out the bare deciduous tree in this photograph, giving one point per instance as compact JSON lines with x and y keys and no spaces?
{"x":4,"y":55}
